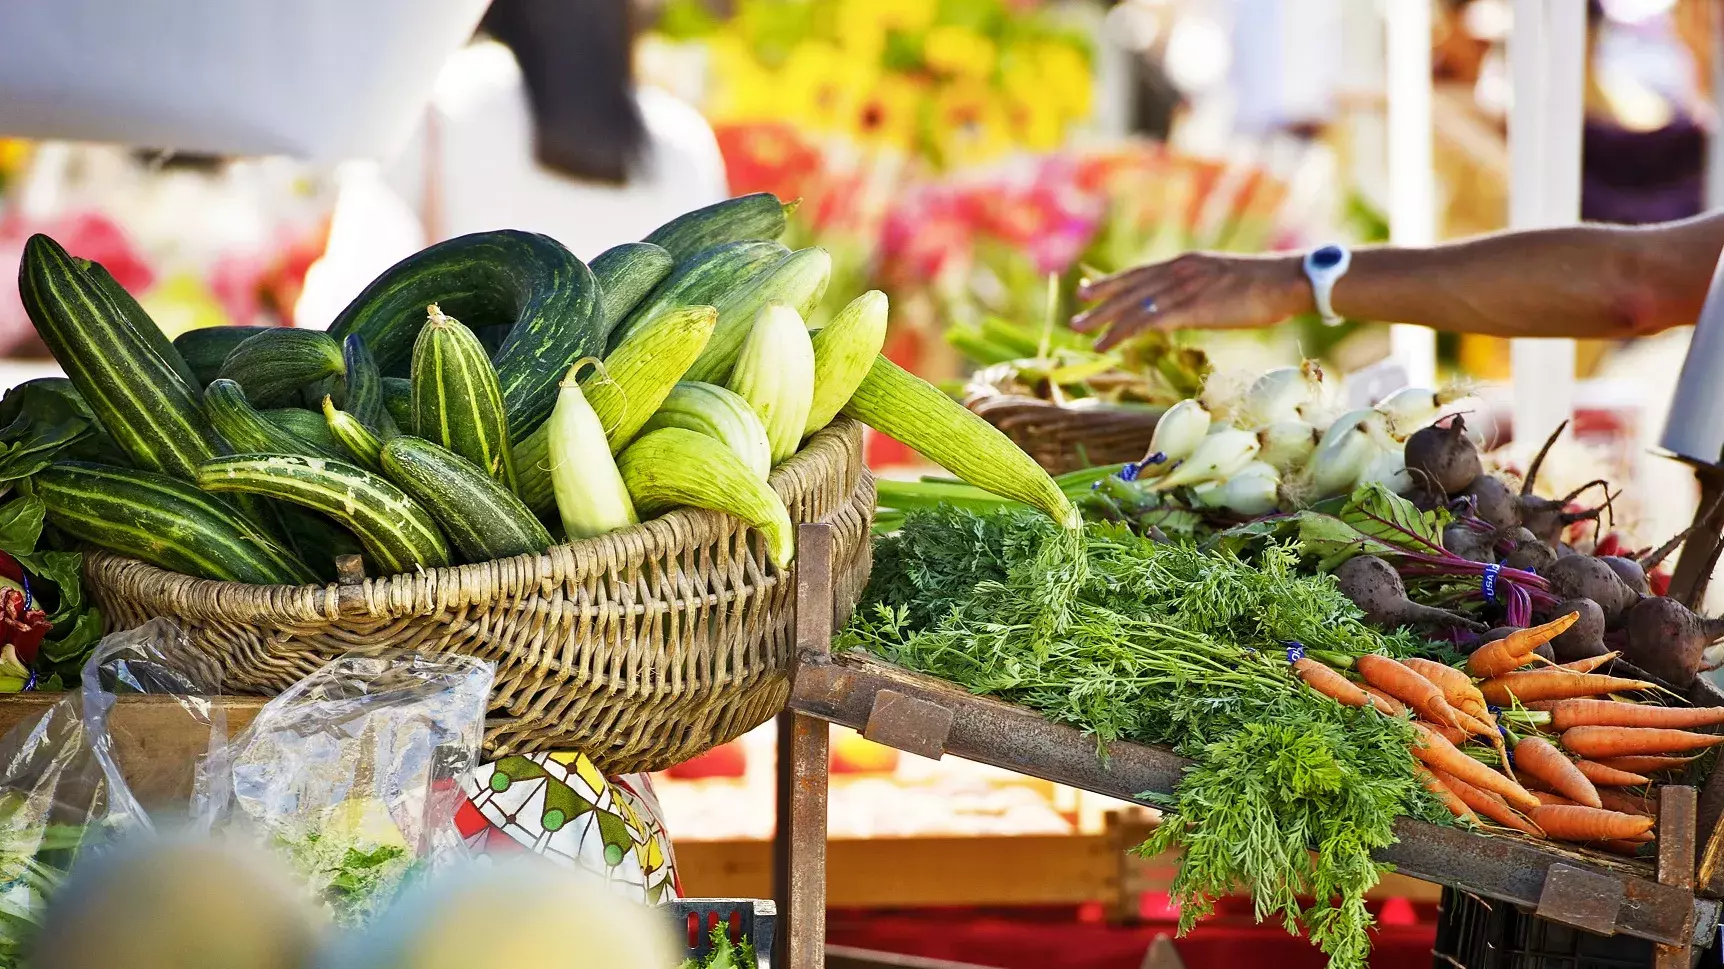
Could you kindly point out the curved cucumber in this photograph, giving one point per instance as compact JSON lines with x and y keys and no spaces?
{"x":245,"y":429}
{"x":704,"y":280}
{"x":760,"y":216}
{"x":146,"y":329}
{"x":356,"y":439}
{"x":484,"y":519}
{"x":205,"y":348}
{"x":398,"y":401}
{"x":626,"y":274}
{"x":272,"y":366}
{"x":364,"y":385}
{"x":306,"y":424}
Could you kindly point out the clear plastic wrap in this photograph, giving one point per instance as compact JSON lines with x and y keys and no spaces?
{"x":354,"y":773}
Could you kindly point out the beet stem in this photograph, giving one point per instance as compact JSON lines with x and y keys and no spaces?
{"x":1538,"y":459}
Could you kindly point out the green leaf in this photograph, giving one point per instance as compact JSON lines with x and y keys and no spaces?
{"x":64,"y":569}
{"x":1380,"y":514}
{"x":21,"y":525}
{"x":70,"y":649}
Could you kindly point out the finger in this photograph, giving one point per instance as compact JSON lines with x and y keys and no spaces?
{"x":1090,"y":290}
{"x":1124,"y":303}
{"x":1178,"y":314}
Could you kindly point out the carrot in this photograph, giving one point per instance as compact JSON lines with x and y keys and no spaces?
{"x":1615,"y":713}
{"x":1439,"y":754}
{"x":1609,"y":776}
{"x":1570,"y":823}
{"x":1592,"y":742}
{"x":1407,"y":686}
{"x":1548,"y":799}
{"x":1453,"y":735}
{"x":1539,"y":758}
{"x":1615,"y":800}
{"x":1457,"y":686}
{"x":1384,"y":702}
{"x":1554,"y":685}
{"x":1648,"y":764}
{"x":1456,"y":806}
{"x":1589,"y":664}
{"x":1516,"y":649}
{"x":1329,"y":683}
{"x":1488,"y":804}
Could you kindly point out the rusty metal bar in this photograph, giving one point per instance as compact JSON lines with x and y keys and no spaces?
{"x":844,"y":691}
{"x":799,"y":844}
{"x":1678,"y":810}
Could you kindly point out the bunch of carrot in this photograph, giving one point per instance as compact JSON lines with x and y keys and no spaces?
{"x":1575,"y":789}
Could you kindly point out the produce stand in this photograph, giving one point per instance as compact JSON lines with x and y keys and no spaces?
{"x":922,"y":715}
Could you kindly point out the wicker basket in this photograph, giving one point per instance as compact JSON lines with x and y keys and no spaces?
{"x":1064,"y":438}
{"x":642,"y":648}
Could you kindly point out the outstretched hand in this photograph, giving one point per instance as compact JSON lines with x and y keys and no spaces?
{"x":1195,"y":291}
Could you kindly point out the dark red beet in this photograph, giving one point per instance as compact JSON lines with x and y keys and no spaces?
{"x":1444,"y":457}
{"x":1375,"y":587}
{"x":1629,"y":571}
{"x":1531,"y":556}
{"x":1469,"y":543}
{"x":1584,"y":577}
{"x":1495,"y":502}
{"x":1585,"y":638}
{"x":1662,"y":637}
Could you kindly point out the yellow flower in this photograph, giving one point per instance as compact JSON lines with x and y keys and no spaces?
{"x":860,"y":29}
{"x":889,"y":114}
{"x":907,"y":15}
{"x":958,"y":51}
{"x":740,"y":89}
{"x":970,"y":124}
{"x":1065,"y":73}
{"x":821,"y":87}
{"x":14,"y":152}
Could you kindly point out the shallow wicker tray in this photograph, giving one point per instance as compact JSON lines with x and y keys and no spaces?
{"x":1064,"y":438}
{"x":642,"y":648}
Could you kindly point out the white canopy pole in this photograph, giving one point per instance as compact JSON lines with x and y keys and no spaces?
{"x":1412,"y":171}
{"x":1547,"y":64}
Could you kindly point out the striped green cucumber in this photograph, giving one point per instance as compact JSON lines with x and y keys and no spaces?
{"x":139,"y":319}
{"x":164,"y":521}
{"x":139,"y":398}
{"x":626,"y":274}
{"x":356,"y":439}
{"x":533,"y":483}
{"x":205,"y":348}
{"x":798,"y":281}
{"x":274,"y":364}
{"x":720,"y":414}
{"x":398,"y":400}
{"x":483,"y":519}
{"x":746,"y":218}
{"x":703,"y":281}
{"x":308,"y":424}
{"x":457,"y":399}
{"x":398,"y":535}
{"x":524,"y":280}
{"x":900,"y":404}
{"x":363,"y":383}
{"x":318,"y":540}
{"x":246,"y":429}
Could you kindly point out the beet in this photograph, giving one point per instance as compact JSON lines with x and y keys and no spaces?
{"x":1664,"y":638}
{"x":1444,"y":456}
{"x":1584,"y":577}
{"x":1585,"y":638}
{"x":1629,"y":571}
{"x":1531,"y":556}
{"x":1494,"y":502}
{"x":1375,"y":587}
{"x":1469,"y":543}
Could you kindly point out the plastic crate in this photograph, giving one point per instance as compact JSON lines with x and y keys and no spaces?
{"x":1473,"y":933}
{"x":753,"y":918}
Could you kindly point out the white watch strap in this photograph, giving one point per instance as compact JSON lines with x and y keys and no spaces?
{"x":1324,"y":266}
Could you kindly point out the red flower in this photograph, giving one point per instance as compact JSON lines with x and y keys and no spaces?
{"x":767,"y":158}
{"x":22,"y":626}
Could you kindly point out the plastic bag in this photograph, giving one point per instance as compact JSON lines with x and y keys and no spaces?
{"x":353,"y":773}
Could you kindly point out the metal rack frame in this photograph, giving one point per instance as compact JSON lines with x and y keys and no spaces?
{"x":928,"y":717}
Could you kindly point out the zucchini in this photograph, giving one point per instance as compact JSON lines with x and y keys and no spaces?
{"x":398,"y":401}
{"x":245,"y":429}
{"x":746,"y":218}
{"x":398,"y":535}
{"x":626,"y":274}
{"x":719,"y":414}
{"x":363,"y":384}
{"x":844,"y":349}
{"x":527,"y":281}
{"x":139,"y":319}
{"x":139,"y":398}
{"x":274,"y":364}
{"x":798,"y":280}
{"x":457,"y":401}
{"x":483,"y":519}
{"x":205,"y":348}
{"x":672,"y":466}
{"x":163,"y":521}
{"x":356,"y":439}
{"x":307,"y":424}
{"x":903,"y":406}
{"x":703,"y":281}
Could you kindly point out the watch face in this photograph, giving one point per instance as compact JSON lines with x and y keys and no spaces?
{"x":1327,"y":257}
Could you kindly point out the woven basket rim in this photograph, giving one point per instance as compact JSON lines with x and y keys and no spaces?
{"x":827,"y":452}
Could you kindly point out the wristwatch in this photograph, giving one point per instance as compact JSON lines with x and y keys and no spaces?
{"x":1324,"y":266}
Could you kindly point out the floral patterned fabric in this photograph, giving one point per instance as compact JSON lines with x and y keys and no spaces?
{"x":560,"y":806}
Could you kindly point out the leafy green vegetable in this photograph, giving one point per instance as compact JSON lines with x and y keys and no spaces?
{"x":724,"y":953}
{"x":1169,"y":644}
{"x":354,"y":879}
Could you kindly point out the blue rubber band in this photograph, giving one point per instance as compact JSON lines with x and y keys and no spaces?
{"x":1295,"y":650}
{"x":1488,"y":581}
{"x":1130,"y":471}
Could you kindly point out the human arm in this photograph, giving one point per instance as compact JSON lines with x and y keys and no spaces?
{"x":1587,"y":281}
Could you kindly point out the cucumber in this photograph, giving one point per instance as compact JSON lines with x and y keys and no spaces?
{"x":135,"y":315}
{"x":702,"y":281}
{"x":364,"y":389}
{"x":457,"y":400}
{"x":533,"y":472}
{"x":626,"y":274}
{"x":163,"y":521}
{"x":274,"y":364}
{"x":482,"y":518}
{"x":522,"y":279}
{"x":398,"y":535}
{"x":205,"y":348}
{"x":318,"y":540}
{"x":746,"y":218}
{"x":245,"y":429}
{"x":356,"y":439}
{"x":139,"y":398}
{"x":798,"y":280}
{"x":720,"y":414}
{"x":398,"y":400}
{"x":307,"y":424}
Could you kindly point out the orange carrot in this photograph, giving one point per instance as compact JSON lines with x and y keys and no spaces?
{"x":1407,"y":686}
{"x":1615,"y":800}
{"x":1549,"y":800}
{"x":1453,"y":735}
{"x":1554,"y":685}
{"x":1329,"y":683}
{"x":1589,"y":664}
{"x":1456,"y":806}
{"x":1569,"y":823}
{"x":1609,"y":776}
{"x":1615,"y":713}
{"x":1457,"y":686}
{"x":1516,"y":649}
{"x":1648,"y":764}
{"x":1592,"y":742}
{"x":1439,"y":754}
{"x":1488,"y":804}
{"x":1539,"y":758}
{"x":1384,"y":702}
